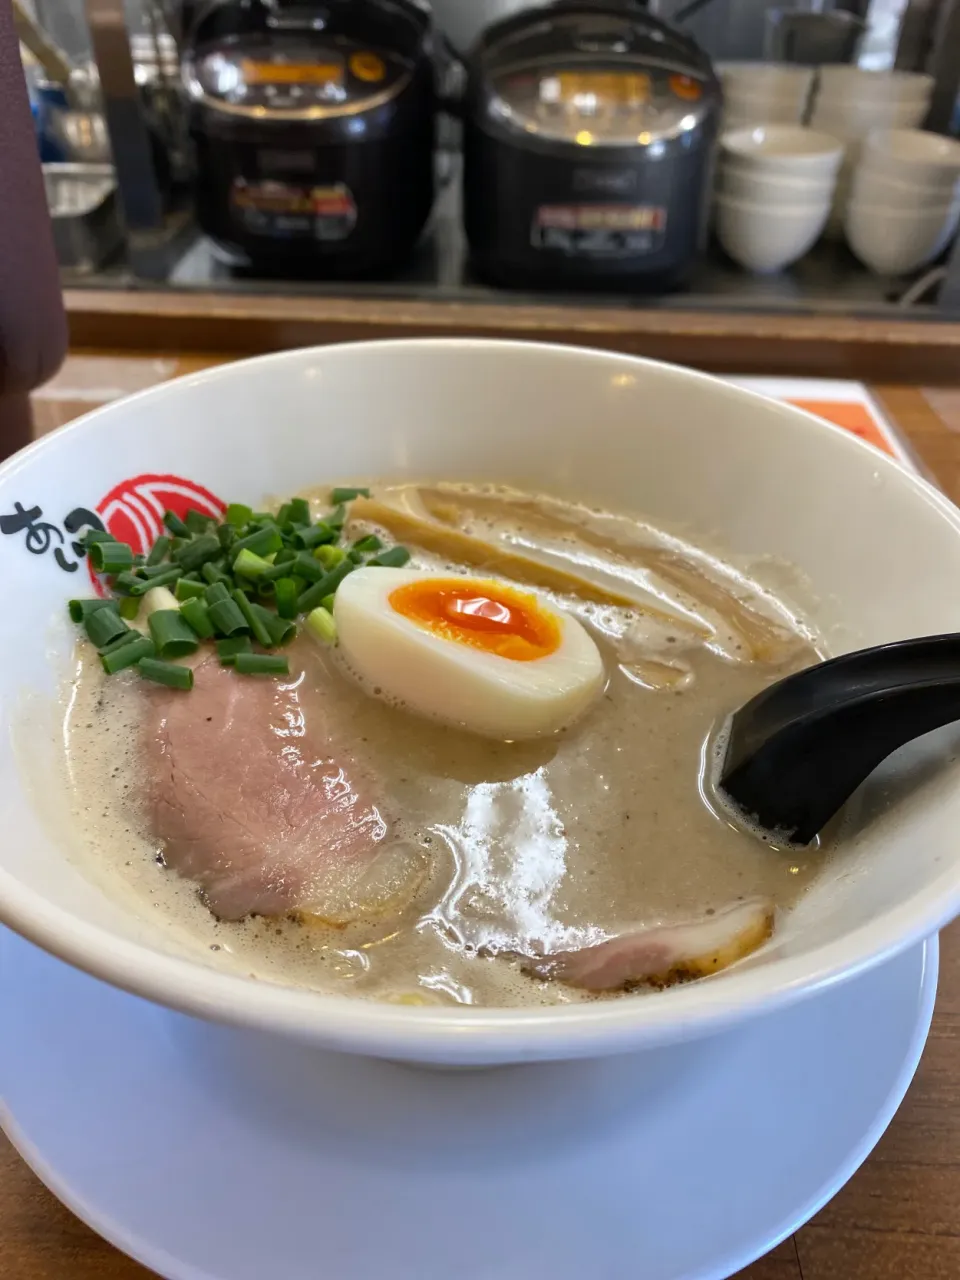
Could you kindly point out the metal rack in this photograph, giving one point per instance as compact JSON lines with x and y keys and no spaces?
{"x":145,"y":118}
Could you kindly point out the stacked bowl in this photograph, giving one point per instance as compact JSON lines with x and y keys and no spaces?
{"x":904,"y":207}
{"x":850,"y":102}
{"x":764,"y":93}
{"x":853,"y":101}
{"x":774,"y":193}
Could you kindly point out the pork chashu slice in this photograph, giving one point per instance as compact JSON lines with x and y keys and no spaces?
{"x":265,"y":811}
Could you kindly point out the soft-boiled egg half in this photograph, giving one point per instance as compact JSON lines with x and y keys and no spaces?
{"x":473,"y":652}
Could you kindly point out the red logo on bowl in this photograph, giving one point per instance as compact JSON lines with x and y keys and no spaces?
{"x":133,"y":510}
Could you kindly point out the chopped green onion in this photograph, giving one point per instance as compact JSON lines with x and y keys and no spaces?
{"x":370,"y":543}
{"x":306,"y":566}
{"x":228,"y":649}
{"x":249,"y":565}
{"x":283,"y":515}
{"x":80,"y":608}
{"x":127,"y":655}
{"x":327,"y":602}
{"x":196,"y":552}
{"x":238,"y":514}
{"x":227,"y":535}
{"x":104,"y":625}
{"x":215,"y":592}
{"x":329,"y":557}
{"x":299,"y":511}
{"x":111,"y":557}
{"x":355,"y":556}
{"x":171,"y":634}
{"x":196,"y":521}
{"x":129,"y":607}
{"x":266,"y":589}
{"x":227,"y":617}
{"x":213,"y":573}
{"x":96,"y":535}
{"x":187,"y":590}
{"x":155,"y":570}
{"x":348,"y":495}
{"x":280,"y":569}
{"x":284,"y":556}
{"x":309,"y":599}
{"x":171,"y":674}
{"x":281,"y":630}
{"x":159,"y":598}
{"x":260,"y":631}
{"x":392,"y":558}
{"x":198,"y":616}
{"x":261,"y":664}
{"x":140,"y":586}
{"x":260,"y":543}
{"x":124,"y":582}
{"x":336,"y":517}
{"x":175,"y":524}
{"x":314,"y":536}
{"x":320,"y":622}
{"x":159,"y":550}
{"x":286,"y":598}
{"x":127,"y":638}
{"x":259,"y":517}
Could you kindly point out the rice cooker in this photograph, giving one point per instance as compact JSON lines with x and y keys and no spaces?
{"x":589,"y":133}
{"x":314,"y":128}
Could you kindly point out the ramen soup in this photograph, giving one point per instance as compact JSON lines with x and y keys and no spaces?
{"x":480,"y":773}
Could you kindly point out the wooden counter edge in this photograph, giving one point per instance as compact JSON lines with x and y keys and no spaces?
{"x":905,"y":351}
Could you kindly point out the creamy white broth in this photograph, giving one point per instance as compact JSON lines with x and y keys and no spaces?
{"x":519,"y":848}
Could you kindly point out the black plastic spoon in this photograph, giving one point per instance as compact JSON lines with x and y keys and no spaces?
{"x":798,"y":750}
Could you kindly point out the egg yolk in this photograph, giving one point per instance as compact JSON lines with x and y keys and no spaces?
{"x":483,"y":615}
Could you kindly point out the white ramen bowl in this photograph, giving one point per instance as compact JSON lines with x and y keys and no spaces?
{"x":878,"y":550}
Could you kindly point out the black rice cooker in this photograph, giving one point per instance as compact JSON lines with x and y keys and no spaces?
{"x":589,"y":133}
{"x":314,"y":127}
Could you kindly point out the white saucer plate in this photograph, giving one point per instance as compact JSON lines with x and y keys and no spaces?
{"x":213,"y":1154}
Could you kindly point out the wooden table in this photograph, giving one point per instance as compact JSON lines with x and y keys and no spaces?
{"x":899,"y":1217}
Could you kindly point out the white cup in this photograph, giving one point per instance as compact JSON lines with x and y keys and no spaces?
{"x":895,"y":241}
{"x":912,"y":155}
{"x":764,"y":236}
{"x":743,"y":183}
{"x":741,"y":115}
{"x":838,"y":208}
{"x":844,"y":83}
{"x":770,"y":79}
{"x":874,"y":186}
{"x":860,"y":117}
{"x":785,"y":149}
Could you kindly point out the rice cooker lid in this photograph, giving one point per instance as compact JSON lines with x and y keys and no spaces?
{"x":305,"y":66}
{"x":594,"y":75}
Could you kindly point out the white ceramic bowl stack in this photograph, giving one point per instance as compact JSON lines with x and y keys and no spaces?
{"x":764,"y":93}
{"x":904,"y":206}
{"x":774,"y":192}
{"x":849,"y":103}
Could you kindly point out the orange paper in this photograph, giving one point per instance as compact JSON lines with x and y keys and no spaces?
{"x":851,"y":416}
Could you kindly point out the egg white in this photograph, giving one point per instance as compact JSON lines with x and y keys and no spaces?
{"x":454,"y":682}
